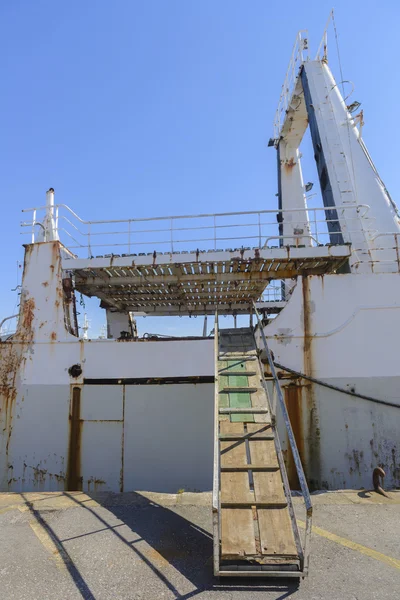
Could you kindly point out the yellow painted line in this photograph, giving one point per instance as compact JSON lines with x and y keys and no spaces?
{"x":7,"y":509}
{"x":388,"y":560}
{"x":55,"y":549}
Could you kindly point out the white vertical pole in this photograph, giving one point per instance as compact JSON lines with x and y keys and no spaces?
{"x":50,"y":228}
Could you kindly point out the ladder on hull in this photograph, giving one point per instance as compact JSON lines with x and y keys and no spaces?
{"x":255,"y":530}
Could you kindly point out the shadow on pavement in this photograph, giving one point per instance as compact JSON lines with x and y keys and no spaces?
{"x":184,"y":545}
{"x":170,"y":538}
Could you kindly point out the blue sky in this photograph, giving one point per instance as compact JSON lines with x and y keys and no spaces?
{"x":133,"y":109}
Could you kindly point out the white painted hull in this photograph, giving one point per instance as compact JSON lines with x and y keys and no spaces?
{"x":160,"y":437}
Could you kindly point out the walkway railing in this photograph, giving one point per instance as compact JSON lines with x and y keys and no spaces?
{"x":191,"y":233}
{"x":299,"y":55}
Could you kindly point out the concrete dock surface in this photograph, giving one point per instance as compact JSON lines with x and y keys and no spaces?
{"x":139,"y":545}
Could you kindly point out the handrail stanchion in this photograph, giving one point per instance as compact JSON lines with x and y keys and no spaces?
{"x":56,"y":223}
{"x":292,"y":441}
{"x":89,"y":245}
{"x":33,"y":226}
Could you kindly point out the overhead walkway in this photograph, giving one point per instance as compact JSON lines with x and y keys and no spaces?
{"x":188,"y":265}
{"x":190,"y":283}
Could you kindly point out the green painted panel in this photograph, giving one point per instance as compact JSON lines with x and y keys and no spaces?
{"x":238,"y":381}
{"x":240,"y":400}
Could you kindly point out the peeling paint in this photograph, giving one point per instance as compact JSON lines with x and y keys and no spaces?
{"x":286,"y":335}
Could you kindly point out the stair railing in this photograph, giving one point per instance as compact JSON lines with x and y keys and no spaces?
{"x":216,"y":483}
{"x":293,"y":446}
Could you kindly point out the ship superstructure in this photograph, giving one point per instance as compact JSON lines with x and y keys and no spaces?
{"x":306,"y":395}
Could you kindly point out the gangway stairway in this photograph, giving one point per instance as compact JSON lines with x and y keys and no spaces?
{"x":255,"y":530}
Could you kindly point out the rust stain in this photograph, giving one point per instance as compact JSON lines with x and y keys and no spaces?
{"x":53,"y":336}
{"x":313,"y":463}
{"x":293,"y":401}
{"x":96,"y":482}
{"x":54,"y":255}
{"x":13,"y":356}
{"x":289,"y":164}
{"x":74,"y":478}
{"x":28,"y":307}
{"x":45,"y":283}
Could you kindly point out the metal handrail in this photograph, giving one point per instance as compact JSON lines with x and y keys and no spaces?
{"x":198,"y":216}
{"x":258,"y":229}
{"x":7,"y":319}
{"x":298,"y":56}
{"x":216,"y":484}
{"x":324,"y":40}
{"x":292,"y":442}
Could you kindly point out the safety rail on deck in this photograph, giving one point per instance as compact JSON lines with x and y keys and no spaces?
{"x":299,"y":55}
{"x":183,"y":233}
{"x":9,"y":331}
{"x":323,"y":47}
{"x":384,"y":254}
{"x":272,"y":293}
{"x":296,"y":457}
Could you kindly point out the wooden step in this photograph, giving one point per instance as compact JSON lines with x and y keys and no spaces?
{"x":239,"y":357}
{"x":226,"y":373}
{"x":250,"y":467}
{"x":227,"y":437}
{"x":232,"y":390}
{"x":257,"y":503}
{"x":243,"y":410}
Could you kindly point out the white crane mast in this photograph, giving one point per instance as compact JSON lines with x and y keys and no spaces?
{"x":359,"y":211}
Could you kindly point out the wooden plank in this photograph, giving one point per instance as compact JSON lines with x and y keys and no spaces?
{"x":234,"y":486}
{"x":237,"y":532}
{"x":240,"y":410}
{"x":268,"y":487}
{"x":276,"y":534}
{"x":243,"y":504}
{"x":258,"y":430}
{"x":237,"y":357}
{"x":251,"y":467}
{"x":262,"y":451}
{"x":232,"y":428}
{"x":259,"y":400}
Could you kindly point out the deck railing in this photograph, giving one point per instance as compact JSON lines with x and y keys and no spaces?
{"x":191,"y":233}
{"x":299,"y":55}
